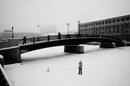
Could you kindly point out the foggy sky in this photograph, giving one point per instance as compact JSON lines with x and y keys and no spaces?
{"x":26,"y":15}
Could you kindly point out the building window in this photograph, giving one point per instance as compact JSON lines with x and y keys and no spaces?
{"x":110,"y":27}
{"x":117,"y":31}
{"x":122,"y":19}
{"x":109,"y":21}
{"x":113,"y":21}
{"x":102,"y":28}
{"x":122,"y":25}
{"x":86,"y":25}
{"x":113,"y":27}
{"x":99,"y":23}
{"x":118,"y":20}
{"x":127,"y":18}
{"x":106,"y":22}
{"x":81,"y":25}
{"x":122,"y":31}
{"x":127,"y":25}
{"x":127,"y":30}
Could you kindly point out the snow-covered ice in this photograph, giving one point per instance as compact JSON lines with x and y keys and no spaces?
{"x":53,"y":67}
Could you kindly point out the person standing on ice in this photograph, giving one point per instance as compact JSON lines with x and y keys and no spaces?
{"x":80,"y":67}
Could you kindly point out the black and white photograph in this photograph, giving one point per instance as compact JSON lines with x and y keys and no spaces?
{"x":64,"y":42}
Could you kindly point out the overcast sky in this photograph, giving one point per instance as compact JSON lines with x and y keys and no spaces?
{"x":27,"y":15}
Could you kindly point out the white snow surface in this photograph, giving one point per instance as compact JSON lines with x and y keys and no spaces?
{"x":53,"y":67}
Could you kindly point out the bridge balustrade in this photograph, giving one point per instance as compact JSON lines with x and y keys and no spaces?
{"x":43,"y":38}
{"x":53,"y":37}
{"x":58,"y":37}
{"x":73,"y":35}
{"x":63,"y":36}
{"x":29,"y":40}
{"x":4,"y":79}
{"x":20,"y":41}
{"x":46,"y":38}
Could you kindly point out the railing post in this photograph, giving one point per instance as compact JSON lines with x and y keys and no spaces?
{"x":38,"y":38}
{"x":33,"y":40}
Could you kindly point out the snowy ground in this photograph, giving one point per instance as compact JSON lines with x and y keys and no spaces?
{"x":101,"y":67}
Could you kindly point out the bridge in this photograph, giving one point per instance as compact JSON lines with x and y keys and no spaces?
{"x":12,"y":49}
{"x":72,"y":39}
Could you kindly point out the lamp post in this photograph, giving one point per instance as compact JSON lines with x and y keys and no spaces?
{"x":78,"y":27}
{"x":38,"y":28}
{"x":12,"y":32}
{"x":68,"y":27}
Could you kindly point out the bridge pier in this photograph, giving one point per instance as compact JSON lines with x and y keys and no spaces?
{"x":74,"y":49}
{"x":107,"y":45}
{"x":11,"y":55}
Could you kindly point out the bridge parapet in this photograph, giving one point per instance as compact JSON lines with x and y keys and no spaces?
{"x":2,"y":60}
{"x":4,"y":79}
{"x":46,"y":38}
{"x":71,"y":39}
{"x":9,"y":43}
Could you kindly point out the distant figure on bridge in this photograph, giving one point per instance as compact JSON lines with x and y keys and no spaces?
{"x":24,"y":40}
{"x":48,"y":38}
{"x":59,"y":35}
{"x":80,"y":67}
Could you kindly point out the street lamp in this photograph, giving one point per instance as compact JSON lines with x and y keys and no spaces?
{"x":79,"y":27}
{"x":68,"y":27}
{"x":38,"y":26}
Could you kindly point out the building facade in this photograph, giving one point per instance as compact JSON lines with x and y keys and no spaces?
{"x":6,"y":34}
{"x":117,"y":27}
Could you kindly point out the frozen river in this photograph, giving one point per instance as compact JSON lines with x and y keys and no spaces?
{"x":101,"y":67}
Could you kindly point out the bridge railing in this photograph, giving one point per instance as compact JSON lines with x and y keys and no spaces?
{"x":4,"y":79}
{"x":46,"y":38}
{"x":57,"y":37}
{"x":63,"y":37}
{"x":33,"y":40}
{"x":53,"y":37}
